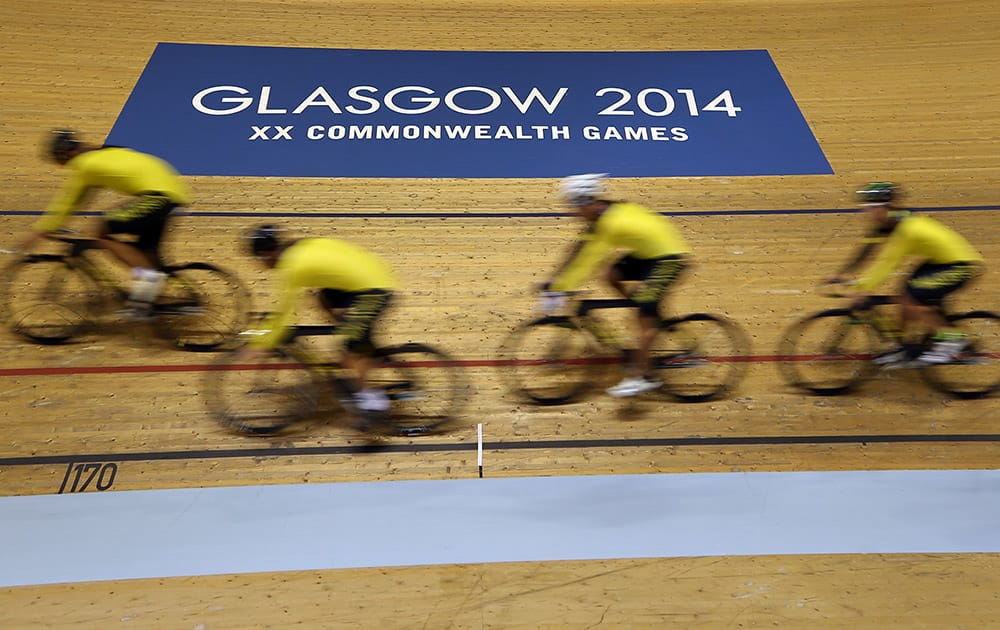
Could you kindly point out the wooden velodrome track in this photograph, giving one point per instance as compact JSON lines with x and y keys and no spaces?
{"x":892,"y":91}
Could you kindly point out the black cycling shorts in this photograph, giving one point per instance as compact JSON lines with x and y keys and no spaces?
{"x":363,"y":311}
{"x":656,"y":276}
{"x":929,"y":284}
{"x":144,"y":217}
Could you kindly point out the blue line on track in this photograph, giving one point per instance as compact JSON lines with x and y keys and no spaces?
{"x":305,"y":214}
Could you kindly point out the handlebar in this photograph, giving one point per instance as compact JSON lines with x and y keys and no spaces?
{"x":841,"y":290}
{"x":70,"y":236}
{"x":836,"y":290}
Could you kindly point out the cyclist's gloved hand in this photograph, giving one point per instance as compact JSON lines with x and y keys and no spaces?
{"x":552,"y":301}
{"x":861,"y":303}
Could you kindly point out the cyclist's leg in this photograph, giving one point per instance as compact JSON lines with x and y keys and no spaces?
{"x":655,"y":277}
{"x":910,"y":340}
{"x":126,"y":253}
{"x":648,"y":296}
{"x":622,"y":274}
{"x":146,"y":218}
{"x":356,"y":325}
{"x":929,"y":289}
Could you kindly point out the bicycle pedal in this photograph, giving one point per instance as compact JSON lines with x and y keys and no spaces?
{"x":911,"y":364}
{"x":682,"y":360}
{"x":179,"y":310}
{"x":410,"y":395}
{"x":372,"y":422}
{"x":135,"y":314}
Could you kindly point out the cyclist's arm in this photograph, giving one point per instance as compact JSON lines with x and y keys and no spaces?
{"x":860,"y":256}
{"x":888,"y":260}
{"x":568,"y":258}
{"x":72,"y":194}
{"x":29,"y":239}
{"x":277,"y":322}
{"x":591,"y":253}
{"x":869,"y":245}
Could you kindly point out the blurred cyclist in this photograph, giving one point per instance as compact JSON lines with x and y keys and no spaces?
{"x":651,"y":254}
{"x":946,"y":263}
{"x":156,"y":189}
{"x":355,"y":289}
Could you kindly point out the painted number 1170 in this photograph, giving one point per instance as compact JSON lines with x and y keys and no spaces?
{"x":80,"y":477}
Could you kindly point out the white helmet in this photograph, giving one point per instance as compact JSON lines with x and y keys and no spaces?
{"x":578,"y":190}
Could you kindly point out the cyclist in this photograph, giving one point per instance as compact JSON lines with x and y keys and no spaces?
{"x":157,"y":190}
{"x":947,"y":263}
{"x":355,"y":289}
{"x":652,"y":254}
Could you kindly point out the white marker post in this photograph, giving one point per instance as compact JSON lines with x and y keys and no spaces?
{"x":479,"y":436}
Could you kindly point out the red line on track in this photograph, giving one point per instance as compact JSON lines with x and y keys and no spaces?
{"x":156,"y":369}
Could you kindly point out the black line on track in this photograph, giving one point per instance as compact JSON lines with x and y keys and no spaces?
{"x":417,"y":447}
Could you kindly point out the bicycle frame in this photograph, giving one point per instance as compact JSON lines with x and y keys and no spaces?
{"x":831,"y":361}
{"x":884,"y":324}
{"x":76,"y":257}
{"x":601,"y":331}
{"x":324,"y":367}
{"x":556,"y":359}
{"x":599,"y":328}
{"x":420,"y":404}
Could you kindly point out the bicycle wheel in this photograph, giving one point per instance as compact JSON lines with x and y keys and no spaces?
{"x":828,"y":353}
{"x":47,"y":300}
{"x":201,"y":307}
{"x":976,"y":373}
{"x":550,"y":361}
{"x":260,"y":398}
{"x":699,"y":357}
{"x":427,"y":388}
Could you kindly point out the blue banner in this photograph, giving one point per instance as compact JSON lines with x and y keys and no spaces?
{"x":301,"y":112}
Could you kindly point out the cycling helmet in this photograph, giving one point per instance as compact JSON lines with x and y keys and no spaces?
{"x":263,"y":238}
{"x":62,"y":143}
{"x":579,"y":190}
{"x":878,"y":192}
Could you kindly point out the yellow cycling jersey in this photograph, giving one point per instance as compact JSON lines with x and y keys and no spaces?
{"x":623,"y":226}
{"x":921,"y":236}
{"x":115,"y":168}
{"x":321,"y":263}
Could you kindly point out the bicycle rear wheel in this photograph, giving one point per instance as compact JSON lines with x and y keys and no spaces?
{"x":550,"y":361}
{"x":828,"y":353}
{"x":263,"y":397}
{"x":46,"y":300}
{"x":426,"y":387}
{"x":976,"y":372}
{"x":201,"y":307}
{"x":699,"y":357}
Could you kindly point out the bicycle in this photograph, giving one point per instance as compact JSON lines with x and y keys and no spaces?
{"x":55,"y":298}
{"x":426,"y":388}
{"x":556,"y":359}
{"x":830,"y":352}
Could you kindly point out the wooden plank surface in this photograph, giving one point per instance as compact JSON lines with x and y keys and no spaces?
{"x":904,"y":95}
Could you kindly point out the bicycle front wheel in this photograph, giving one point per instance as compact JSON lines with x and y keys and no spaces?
{"x":976,"y":372}
{"x":262,"y":397}
{"x":426,"y":387}
{"x":828,"y":353}
{"x":47,"y":300}
{"x":202,"y":307}
{"x":699,"y":357}
{"x":550,"y":361}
